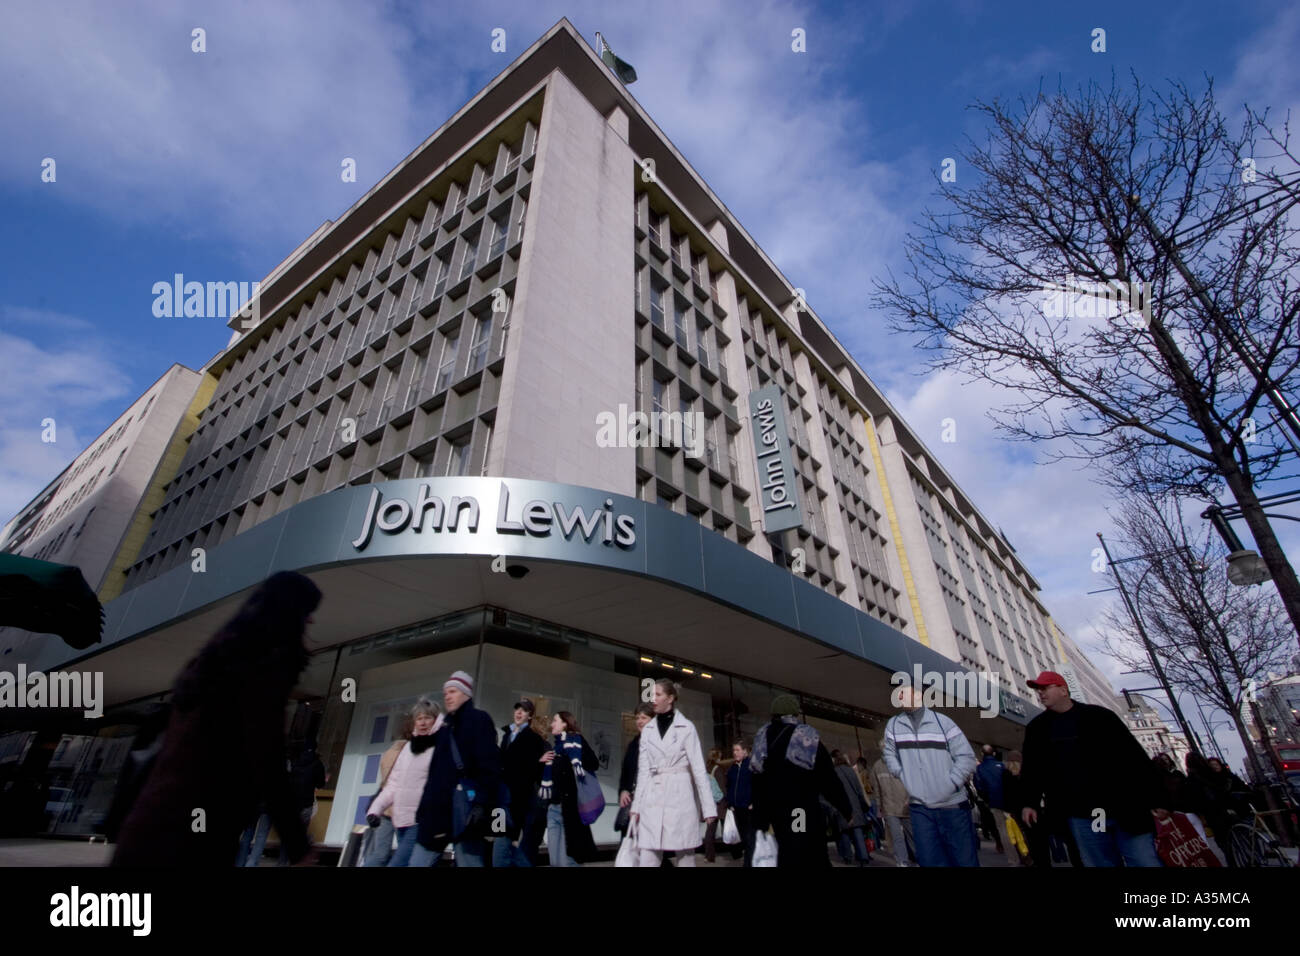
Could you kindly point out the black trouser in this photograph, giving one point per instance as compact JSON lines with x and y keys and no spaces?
{"x":745,"y":824}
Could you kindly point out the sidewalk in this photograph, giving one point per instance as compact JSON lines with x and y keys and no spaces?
{"x":39,"y":852}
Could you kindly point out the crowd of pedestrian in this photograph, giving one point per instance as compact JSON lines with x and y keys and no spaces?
{"x":1082,"y":790}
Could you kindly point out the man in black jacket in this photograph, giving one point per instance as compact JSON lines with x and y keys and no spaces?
{"x":466,"y":732}
{"x":521,"y":754}
{"x":1088,"y":767}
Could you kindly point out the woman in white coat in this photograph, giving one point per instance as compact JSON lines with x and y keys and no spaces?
{"x":673,"y":795}
{"x":404,"y":787}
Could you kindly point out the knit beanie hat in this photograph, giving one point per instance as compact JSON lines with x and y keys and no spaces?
{"x":785,"y":705}
{"x":462,"y":682}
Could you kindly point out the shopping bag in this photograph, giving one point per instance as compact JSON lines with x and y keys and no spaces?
{"x":1180,"y":845}
{"x":764,"y":849}
{"x":628,"y":852}
{"x":1016,"y":837}
{"x":591,"y":799}
{"x":730,"y":832}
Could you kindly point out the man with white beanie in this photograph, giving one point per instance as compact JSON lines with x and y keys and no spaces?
{"x":464,"y":777}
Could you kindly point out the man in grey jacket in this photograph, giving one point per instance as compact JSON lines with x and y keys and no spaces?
{"x":930,"y":754}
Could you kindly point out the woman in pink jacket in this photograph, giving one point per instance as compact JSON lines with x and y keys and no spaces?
{"x":405,"y":785}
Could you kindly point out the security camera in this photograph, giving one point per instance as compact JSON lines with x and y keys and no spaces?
{"x":516,"y":570}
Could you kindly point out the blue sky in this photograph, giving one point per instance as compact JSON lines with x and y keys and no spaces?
{"x":217,"y":165}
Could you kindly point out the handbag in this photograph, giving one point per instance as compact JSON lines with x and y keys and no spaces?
{"x":622,"y":819}
{"x":591,"y":799}
{"x":629,"y":853}
{"x":730,"y":832}
{"x":764,"y":849}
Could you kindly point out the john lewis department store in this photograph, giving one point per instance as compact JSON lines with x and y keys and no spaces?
{"x":414,"y":424}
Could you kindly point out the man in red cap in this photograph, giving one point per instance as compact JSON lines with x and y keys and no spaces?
{"x":1090,"y":770}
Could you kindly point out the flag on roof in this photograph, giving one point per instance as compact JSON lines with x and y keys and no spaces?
{"x":622,"y":69}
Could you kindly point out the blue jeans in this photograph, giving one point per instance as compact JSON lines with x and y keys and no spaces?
{"x":256,"y":835}
{"x":1114,"y":846}
{"x":407,"y":848}
{"x":505,"y":853}
{"x":853,"y":837}
{"x":555,"y":847}
{"x":472,"y":853}
{"x":467,"y":854}
{"x":380,"y":849}
{"x":944,"y":836}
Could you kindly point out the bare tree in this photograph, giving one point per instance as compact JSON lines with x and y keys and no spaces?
{"x":1214,"y":641}
{"x":1110,"y":258}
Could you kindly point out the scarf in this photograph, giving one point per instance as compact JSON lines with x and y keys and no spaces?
{"x":419,"y":743}
{"x":802,"y":750}
{"x":566,"y":745}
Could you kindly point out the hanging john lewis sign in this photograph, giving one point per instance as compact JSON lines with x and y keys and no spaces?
{"x":778,"y":491}
{"x":461,"y":514}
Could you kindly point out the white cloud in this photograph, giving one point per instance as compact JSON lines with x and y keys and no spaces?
{"x":36,"y":383}
{"x":246,"y":136}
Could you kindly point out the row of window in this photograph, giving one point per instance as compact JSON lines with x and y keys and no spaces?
{"x":373,"y":314}
{"x":457,"y":252}
{"x":325,"y":429}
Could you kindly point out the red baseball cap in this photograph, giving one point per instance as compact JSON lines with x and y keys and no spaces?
{"x":1047,"y":679}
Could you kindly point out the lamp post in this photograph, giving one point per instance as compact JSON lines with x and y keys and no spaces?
{"x":1246,"y":567}
{"x":1146,"y":641}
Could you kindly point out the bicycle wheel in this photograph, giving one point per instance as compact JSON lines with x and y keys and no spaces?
{"x":1250,"y":847}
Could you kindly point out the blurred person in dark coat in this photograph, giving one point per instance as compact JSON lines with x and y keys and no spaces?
{"x":224,"y":749}
{"x":791,"y":769}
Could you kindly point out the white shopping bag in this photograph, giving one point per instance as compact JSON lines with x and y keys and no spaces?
{"x":764,"y":849}
{"x":628,"y":852}
{"x":730,"y":832}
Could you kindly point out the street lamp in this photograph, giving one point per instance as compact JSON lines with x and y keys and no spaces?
{"x":1146,"y":641}
{"x":1245,"y":567}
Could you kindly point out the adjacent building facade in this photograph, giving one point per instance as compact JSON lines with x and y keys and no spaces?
{"x":541,"y":345}
{"x":1151,"y":730}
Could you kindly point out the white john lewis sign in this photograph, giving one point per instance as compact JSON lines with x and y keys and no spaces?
{"x":538,"y":518}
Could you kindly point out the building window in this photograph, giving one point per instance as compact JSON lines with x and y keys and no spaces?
{"x":440,"y":284}
{"x":458,"y":463}
{"x":478,"y":344}
{"x":657,"y":305}
{"x":681,"y":323}
{"x":711,"y":445}
{"x":688,"y":423}
{"x":702,"y":350}
{"x":659,"y":392}
{"x":519,"y":220}
{"x":424,"y":466}
{"x":500,"y":231}
{"x":420,"y":362}
{"x":447,"y":367}
{"x":471,"y":256}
